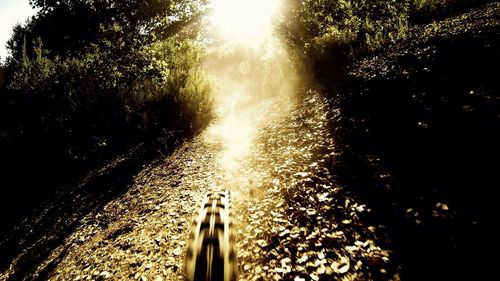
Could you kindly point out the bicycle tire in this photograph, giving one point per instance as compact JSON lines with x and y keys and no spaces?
{"x":211,"y":253}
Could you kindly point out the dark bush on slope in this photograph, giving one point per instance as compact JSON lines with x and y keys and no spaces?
{"x":80,"y":90}
{"x":326,"y":36}
{"x":417,"y":139}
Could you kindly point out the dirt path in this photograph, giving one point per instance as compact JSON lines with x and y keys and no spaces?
{"x":293,"y":222}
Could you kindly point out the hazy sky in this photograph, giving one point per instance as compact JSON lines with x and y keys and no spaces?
{"x":11,"y":12}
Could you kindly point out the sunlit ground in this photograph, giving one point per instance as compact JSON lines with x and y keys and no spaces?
{"x":250,"y":65}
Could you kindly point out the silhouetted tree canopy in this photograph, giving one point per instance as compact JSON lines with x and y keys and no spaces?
{"x":67,"y":28}
{"x":88,"y":78}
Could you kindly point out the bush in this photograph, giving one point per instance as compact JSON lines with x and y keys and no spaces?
{"x":89,"y":80}
{"x":173,"y":72}
{"x":425,"y":10}
{"x":331,"y":30}
{"x":61,"y":117}
{"x":326,"y":35}
{"x":98,"y":102}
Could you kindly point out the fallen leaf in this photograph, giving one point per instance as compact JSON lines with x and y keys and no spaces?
{"x":284,"y":232}
{"x":262,"y":243}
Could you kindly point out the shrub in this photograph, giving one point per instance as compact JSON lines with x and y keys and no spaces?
{"x":87,"y":80}
{"x":62,"y":116}
{"x":425,"y":10}
{"x":328,"y":30}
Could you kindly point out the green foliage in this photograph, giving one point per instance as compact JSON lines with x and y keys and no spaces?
{"x":346,"y":28}
{"x":328,"y":34}
{"x":87,"y":79}
{"x":33,"y":74}
{"x":67,"y":28}
{"x":196,"y":99}
{"x":424,"y":10}
{"x":94,"y":94}
{"x":430,"y":6}
{"x":173,"y":70}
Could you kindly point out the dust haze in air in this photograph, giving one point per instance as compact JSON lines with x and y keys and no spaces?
{"x":246,"y":57}
{"x":250,"y":66}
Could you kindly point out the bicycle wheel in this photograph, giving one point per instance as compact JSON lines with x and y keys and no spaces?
{"x":211,"y":254}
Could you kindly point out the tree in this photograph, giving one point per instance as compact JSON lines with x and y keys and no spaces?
{"x":69,"y":27}
{"x":87,"y":78}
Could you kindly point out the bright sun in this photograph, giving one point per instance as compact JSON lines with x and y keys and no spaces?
{"x":244,"y":21}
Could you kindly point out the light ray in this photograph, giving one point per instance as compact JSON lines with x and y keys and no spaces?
{"x":250,"y":66}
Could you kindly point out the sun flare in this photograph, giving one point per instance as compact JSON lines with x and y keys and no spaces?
{"x":251,"y":67}
{"x":244,"y":21}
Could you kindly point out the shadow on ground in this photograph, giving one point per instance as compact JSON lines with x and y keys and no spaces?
{"x":418,"y":139}
{"x":26,"y":244}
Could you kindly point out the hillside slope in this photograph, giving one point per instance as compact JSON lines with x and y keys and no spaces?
{"x":418,"y":136}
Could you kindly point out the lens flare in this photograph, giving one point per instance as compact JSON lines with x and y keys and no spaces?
{"x":251,"y":68}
